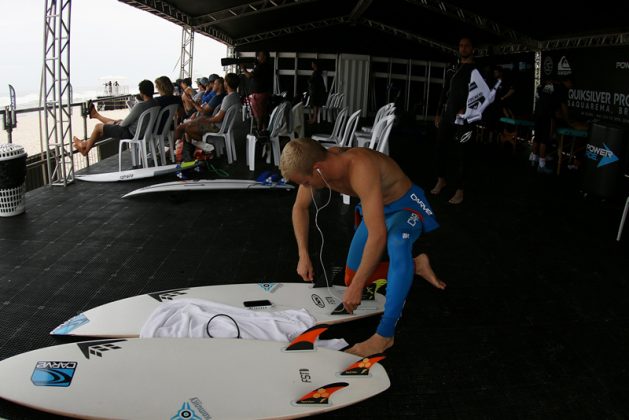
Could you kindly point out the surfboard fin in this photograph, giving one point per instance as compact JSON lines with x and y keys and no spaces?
{"x":305,"y":340}
{"x":340,"y":310}
{"x":361,"y":367}
{"x":321,"y":395}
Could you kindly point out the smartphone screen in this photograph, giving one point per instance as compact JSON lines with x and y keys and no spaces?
{"x":257,"y":303}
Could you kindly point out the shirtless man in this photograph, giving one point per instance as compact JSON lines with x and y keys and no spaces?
{"x":394,"y":211}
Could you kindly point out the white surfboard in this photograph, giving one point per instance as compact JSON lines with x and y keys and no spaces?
{"x":188,"y":379}
{"x":209,"y":184}
{"x":135,"y":173}
{"x":125,"y":317}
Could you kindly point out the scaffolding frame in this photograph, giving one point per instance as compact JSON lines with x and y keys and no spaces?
{"x":56,"y":92}
{"x":187,"y":52}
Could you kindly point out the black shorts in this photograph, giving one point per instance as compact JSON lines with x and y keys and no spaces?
{"x":116,"y":131}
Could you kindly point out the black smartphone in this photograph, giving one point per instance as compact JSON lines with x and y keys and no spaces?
{"x":257,"y":303}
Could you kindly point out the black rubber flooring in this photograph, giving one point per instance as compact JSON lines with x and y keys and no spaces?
{"x":534,"y":323}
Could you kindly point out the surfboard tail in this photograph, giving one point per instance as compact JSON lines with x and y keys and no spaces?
{"x":305,"y":341}
{"x":361,"y":367}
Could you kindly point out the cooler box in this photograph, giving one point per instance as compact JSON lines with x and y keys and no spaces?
{"x":12,"y":176}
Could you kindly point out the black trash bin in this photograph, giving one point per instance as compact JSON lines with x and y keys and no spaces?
{"x":12,"y":176}
{"x":604,"y":159}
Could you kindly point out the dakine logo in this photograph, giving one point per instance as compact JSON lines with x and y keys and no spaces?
{"x":473,"y":86}
{"x":563,"y":67}
{"x":606,"y":155}
{"x":421,"y":204}
{"x":304,"y":374}
{"x":185,"y":413}
{"x":476,"y":101}
{"x":97,"y":348}
{"x":330,"y":300}
{"x":622,"y":65}
{"x":548,"y":65}
{"x":53,"y":373}
{"x":413,"y":219}
{"x":167,"y":294}
{"x":318,"y":301}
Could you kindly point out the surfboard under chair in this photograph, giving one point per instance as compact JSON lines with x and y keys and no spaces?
{"x":132,"y":174}
{"x":209,"y":184}
{"x":125,"y":317}
{"x":182,"y":378}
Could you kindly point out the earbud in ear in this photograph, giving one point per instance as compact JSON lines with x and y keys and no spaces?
{"x":318,"y":170}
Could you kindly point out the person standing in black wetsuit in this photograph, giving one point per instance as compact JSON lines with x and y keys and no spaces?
{"x":452,"y":102}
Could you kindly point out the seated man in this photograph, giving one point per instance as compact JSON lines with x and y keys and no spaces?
{"x":207,"y":109}
{"x":395,"y":212}
{"x":195,"y":128}
{"x":118,"y":129}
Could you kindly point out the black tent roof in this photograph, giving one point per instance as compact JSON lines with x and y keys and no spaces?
{"x":409,"y":28}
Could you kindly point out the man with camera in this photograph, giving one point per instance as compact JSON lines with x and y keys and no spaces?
{"x":262,"y":87}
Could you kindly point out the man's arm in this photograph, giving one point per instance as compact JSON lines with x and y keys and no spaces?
{"x":365,"y":181}
{"x":133,"y":115}
{"x":301,"y":223}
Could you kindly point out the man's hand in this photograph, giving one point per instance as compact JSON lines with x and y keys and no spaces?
{"x":305,"y":269}
{"x":352,"y":298}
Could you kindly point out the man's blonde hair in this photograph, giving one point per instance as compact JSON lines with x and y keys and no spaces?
{"x":300,"y":155}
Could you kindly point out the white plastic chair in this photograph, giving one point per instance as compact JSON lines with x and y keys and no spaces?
{"x":223,"y":139}
{"x":380,"y":138}
{"x":276,"y":122}
{"x":138,"y":145}
{"x":297,"y":121}
{"x":384,"y":111}
{"x":348,"y":133}
{"x":166,"y":114}
{"x":622,"y":220}
{"x":335,"y":136}
{"x":324,"y":109}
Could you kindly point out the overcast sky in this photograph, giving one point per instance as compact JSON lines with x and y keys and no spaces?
{"x":108,"y":38}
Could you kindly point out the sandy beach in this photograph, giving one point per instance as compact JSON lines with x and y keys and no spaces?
{"x":27,"y":133}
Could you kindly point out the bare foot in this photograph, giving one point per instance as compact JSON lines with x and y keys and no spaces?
{"x":440,"y":185}
{"x":78,"y":145}
{"x":373,"y":345}
{"x":424,"y":270}
{"x":457,"y":198}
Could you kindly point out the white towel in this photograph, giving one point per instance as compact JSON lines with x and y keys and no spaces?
{"x":190,"y":317}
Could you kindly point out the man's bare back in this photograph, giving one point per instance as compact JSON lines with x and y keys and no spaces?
{"x":394,"y":182}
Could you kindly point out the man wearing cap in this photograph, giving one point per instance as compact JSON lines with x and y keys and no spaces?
{"x":209,"y":94}
{"x":202,"y":87}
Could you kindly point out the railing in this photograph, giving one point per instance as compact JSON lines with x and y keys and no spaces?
{"x":36,"y":170}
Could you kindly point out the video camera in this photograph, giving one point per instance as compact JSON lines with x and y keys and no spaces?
{"x":230,"y":61}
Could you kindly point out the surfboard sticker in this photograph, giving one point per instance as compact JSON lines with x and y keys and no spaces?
{"x":176,"y":378}
{"x":70,"y":325}
{"x":208,"y":185}
{"x":124,"y":318}
{"x":132,"y":174}
{"x":361,"y":367}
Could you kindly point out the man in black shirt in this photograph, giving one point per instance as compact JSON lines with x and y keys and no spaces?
{"x":452,"y":102}
{"x":262,"y":87}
